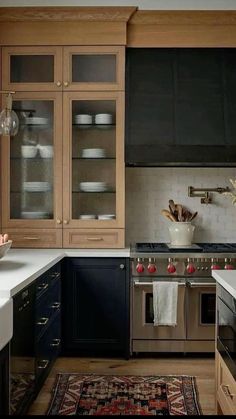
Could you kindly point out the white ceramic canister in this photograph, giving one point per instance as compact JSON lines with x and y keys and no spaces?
{"x":181,"y":233}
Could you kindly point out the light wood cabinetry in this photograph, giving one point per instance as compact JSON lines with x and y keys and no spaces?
{"x":225,"y":388}
{"x":65,"y":168}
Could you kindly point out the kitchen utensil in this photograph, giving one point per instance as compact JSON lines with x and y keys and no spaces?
{"x":179,"y":212}
{"x":168,"y":215}
{"x":193,"y":216}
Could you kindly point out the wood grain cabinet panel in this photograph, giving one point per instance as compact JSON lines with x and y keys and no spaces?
{"x":226,"y":388}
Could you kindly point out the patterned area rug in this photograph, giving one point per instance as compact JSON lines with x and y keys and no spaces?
{"x":79,"y":394}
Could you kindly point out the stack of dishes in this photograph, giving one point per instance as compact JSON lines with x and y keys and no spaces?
{"x":103,"y":119}
{"x":93,"y":153}
{"x":35,"y":214}
{"x":93,"y":186}
{"x":106,"y":217}
{"x":35,"y":120}
{"x":36,"y":186}
{"x":83,"y":119}
{"x":87,"y":217}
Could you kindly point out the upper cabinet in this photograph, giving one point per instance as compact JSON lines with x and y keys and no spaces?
{"x":63,"y":173}
{"x":63,"y":68}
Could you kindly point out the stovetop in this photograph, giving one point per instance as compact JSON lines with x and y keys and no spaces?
{"x":196,"y":247}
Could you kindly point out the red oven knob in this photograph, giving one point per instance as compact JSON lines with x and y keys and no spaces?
{"x":228,"y":267}
{"x":140,"y":268}
{"x":151,"y":268}
{"x":171,"y":269}
{"x":190,"y":268}
{"x":214,"y":264}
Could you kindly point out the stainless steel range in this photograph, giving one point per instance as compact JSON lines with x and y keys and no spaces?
{"x":191,"y":267}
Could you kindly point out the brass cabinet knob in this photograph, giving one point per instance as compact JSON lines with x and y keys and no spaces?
{"x":66,"y":83}
{"x":59,"y":221}
{"x":66,"y":222}
{"x":58,"y":83}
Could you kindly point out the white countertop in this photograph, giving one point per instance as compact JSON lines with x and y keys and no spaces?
{"x":227,"y":279}
{"x":21,"y":266}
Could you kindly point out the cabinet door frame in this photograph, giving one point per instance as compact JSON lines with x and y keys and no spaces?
{"x":67,"y":161}
{"x":7,"y":222}
{"x":7,"y":52}
{"x":118,"y":51}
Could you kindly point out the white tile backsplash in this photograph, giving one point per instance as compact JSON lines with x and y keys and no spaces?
{"x":148,"y":191}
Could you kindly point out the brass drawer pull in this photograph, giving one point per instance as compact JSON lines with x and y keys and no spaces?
{"x":55,"y":342}
{"x":43,"y":364}
{"x":43,"y":286}
{"x":226,"y":390}
{"x":56,"y":305}
{"x":31,"y":238}
{"x":43,"y":321}
{"x":97,"y":239}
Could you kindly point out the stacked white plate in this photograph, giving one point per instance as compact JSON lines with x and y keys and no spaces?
{"x":93,"y":153}
{"x":103,"y":118}
{"x":106,"y":217}
{"x":93,"y":186}
{"x":35,"y":120}
{"x":36,"y":186}
{"x":35,"y":214}
{"x":87,"y":216}
{"x":83,"y":119}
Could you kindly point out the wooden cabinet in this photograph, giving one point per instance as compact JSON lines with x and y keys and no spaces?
{"x":65,"y":168}
{"x":225,"y":388}
{"x":95,"y":299}
{"x":4,"y":381}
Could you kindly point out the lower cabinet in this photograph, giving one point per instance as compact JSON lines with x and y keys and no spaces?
{"x":4,"y":381}
{"x":36,"y":338}
{"x":225,"y":388}
{"x":95,"y":301}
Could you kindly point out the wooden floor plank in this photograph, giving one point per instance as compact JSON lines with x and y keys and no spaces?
{"x":202,"y":368}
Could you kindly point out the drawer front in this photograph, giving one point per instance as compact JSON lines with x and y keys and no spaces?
{"x":94,"y":238}
{"x":47,"y":309}
{"x":48,"y":348}
{"x":226,"y":388}
{"x":47,"y":280}
{"x":35,"y":238}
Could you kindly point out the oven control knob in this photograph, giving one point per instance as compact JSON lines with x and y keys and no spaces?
{"x":214,"y":264}
{"x":151,"y":268}
{"x":228,"y":265}
{"x":190,"y":268}
{"x":140,"y":268}
{"x":171,"y":269}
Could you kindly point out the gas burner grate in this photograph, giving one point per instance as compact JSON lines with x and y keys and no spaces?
{"x":151,"y":247}
{"x":218,"y":247}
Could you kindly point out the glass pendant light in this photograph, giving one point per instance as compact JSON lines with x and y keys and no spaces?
{"x":9,"y":122}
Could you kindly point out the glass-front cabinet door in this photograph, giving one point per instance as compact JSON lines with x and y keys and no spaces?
{"x":93,"y":160}
{"x":32,"y":167}
{"x":93,"y":68}
{"x":32,"y":68}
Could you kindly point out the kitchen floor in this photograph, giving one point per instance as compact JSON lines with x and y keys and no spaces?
{"x":202,"y":368}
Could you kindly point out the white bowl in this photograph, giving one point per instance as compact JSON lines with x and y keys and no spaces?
{"x":36,"y":186}
{"x":45,"y":151}
{"x":4,"y":248}
{"x":35,"y":120}
{"x":103,"y":118}
{"x":106,"y":216}
{"x":87,"y":216}
{"x":28,"y":151}
{"x":93,"y":152}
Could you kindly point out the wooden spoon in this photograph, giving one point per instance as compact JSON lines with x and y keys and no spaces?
{"x":179,"y":209}
{"x":193,"y":216}
{"x":168,"y":215}
{"x":172,"y":206}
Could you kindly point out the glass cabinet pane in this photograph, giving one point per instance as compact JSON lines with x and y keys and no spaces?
{"x":94,"y":159}
{"x":31,"y":161}
{"x":31,"y":69}
{"x":93,"y":68}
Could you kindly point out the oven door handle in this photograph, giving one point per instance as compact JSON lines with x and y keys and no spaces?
{"x":138,"y":283}
{"x":193,"y":284}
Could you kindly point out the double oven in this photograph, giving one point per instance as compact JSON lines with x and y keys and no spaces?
{"x":196,"y":305}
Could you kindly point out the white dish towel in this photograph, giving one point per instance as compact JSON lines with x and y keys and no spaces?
{"x":165,"y":300}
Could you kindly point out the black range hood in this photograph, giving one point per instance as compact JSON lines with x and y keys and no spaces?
{"x":180,"y":107}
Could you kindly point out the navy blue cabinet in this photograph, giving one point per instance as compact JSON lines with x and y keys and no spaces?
{"x":4,"y":381}
{"x":95,"y":301}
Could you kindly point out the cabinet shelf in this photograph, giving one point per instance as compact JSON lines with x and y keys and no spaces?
{"x":32,"y":158}
{"x":100,"y":192}
{"x":93,"y":158}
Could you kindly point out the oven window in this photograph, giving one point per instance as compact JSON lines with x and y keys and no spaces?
{"x":208,"y":308}
{"x":149,"y":314}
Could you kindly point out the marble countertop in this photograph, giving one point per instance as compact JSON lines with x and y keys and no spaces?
{"x":226,"y":279}
{"x":22,"y":266}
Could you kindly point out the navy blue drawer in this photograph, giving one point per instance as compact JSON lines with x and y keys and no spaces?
{"x":47,"y":308}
